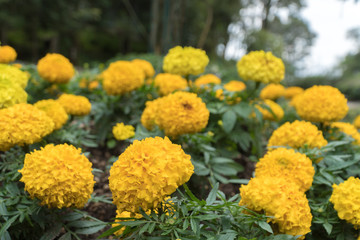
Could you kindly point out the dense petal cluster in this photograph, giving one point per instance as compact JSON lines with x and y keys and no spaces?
{"x":148,"y":171}
{"x":75,"y":105}
{"x":297,"y":134}
{"x":54,"y":110}
{"x":168,"y":83}
{"x":11,"y":93}
{"x":13,"y":74}
{"x":346,"y":200}
{"x":176,"y":114}
{"x":321,"y":104}
{"x":145,"y":66}
{"x":185,"y":61}
{"x":23,"y":124}
{"x":286,"y":163}
{"x":279,"y":198}
{"x":122,"y":132}
{"x":291,"y":92}
{"x":55,"y":68}
{"x":60,"y":176}
{"x":272,"y":91}
{"x":234,"y":86}
{"x":348,"y":129}
{"x":122,"y":77}
{"x":261,"y":66}
{"x":357,"y":122}
{"x":207,"y":79}
{"x":7,"y":54}
{"x":276,"y":114}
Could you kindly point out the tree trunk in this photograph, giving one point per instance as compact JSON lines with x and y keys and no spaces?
{"x":155,"y":22}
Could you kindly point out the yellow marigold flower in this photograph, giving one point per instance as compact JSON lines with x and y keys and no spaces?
{"x":277,"y":112}
{"x":14,"y":75}
{"x":148,"y":171}
{"x":286,"y":163}
{"x":322,"y":104}
{"x":279,"y":198}
{"x":207,"y":79}
{"x":291,"y":92}
{"x":185,"y":61}
{"x":357,"y":122}
{"x":54,"y":110}
{"x":75,"y":105}
{"x":345,"y":198}
{"x":7,"y":54}
{"x":83,"y":83}
{"x":261,"y":66}
{"x":122,"y":132}
{"x":219,"y":94}
{"x":145,"y":66}
{"x":149,"y":116}
{"x":234,"y":86}
{"x":23,"y":124}
{"x":348,"y":129}
{"x":60,"y":176}
{"x":11,"y":93}
{"x":272,"y":91}
{"x":93,"y":84}
{"x":168,"y":83}
{"x":296,"y":135}
{"x":55,"y":68}
{"x":122,"y":77}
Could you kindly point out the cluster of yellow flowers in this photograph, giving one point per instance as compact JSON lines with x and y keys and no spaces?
{"x":279,"y":198}
{"x":272,"y":91}
{"x":89,"y":84}
{"x":60,"y":176}
{"x":11,"y":93}
{"x":168,"y":83}
{"x":297,"y":134}
{"x":176,"y":114}
{"x":122,"y":77}
{"x":122,"y":132}
{"x":345,"y":198}
{"x":75,"y":105}
{"x":276,"y":113}
{"x":261,"y":66}
{"x":291,"y":92}
{"x":13,"y":74}
{"x":185,"y":61}
{"x":321,"y":104}
{"x":145,"y":66}
{"x":207,"y":79}
{"x":7,"y":54}
{"x":55,"y":68}
{"x":146,"y":172}
{"x":23,"y":124}
{"x":348,"y":129}
{"x":54,"y":110}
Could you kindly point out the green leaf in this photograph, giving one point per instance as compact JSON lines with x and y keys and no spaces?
{"x":200,"y":169}
{"x":111,"y":143}
{"x":144,"y":228}
{"x":221,"y":160}
{"x":212,"y":195}
{"x":242,"y":109}
{"x":328,"y":227}
{"x":151,"y":227}
{"x":265,"y":226}
{"x":239,"y":181}
{"x":7,"y":225}
{"x":190,"y":194}
{"x":229,"y":120}
{"x":52,"y":233}
{"x":72,"y":216}
{"x":90,"y":230}
{"x":84,"y":224}
{"x":223,"y":169}
{"x":111,"y":231}
{"x":195,"y":225}
{"x":66,"y":236}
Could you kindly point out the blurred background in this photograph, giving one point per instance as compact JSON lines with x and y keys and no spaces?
{"x":319,"y":40}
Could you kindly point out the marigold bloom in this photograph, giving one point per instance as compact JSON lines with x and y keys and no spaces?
{"x":345,"y":198}
{"x":168,"y":83}
{"x":55,"y":68}
{"x":279,"y":198}
{"x":234,"y":86}
{"x":185,"y":61}
{"x":272,"y":91}
{"x":54,"y":110}
{"x":261,"y":67}
{"x":297,"y":134}
{"x":60,"y":176}
{"x":11,"y":94}
{"x":322,"y":104}
{"x":7,"y":54}
{"x":207,"y":79}
{"x":286,"y":163}
{"x":122,"y":132}
{"x":93,"y":84}
{"x":277,"y":112}
{"x":122,"y":77}
{"x":291,"y":92}
{"x":148,"y":171}
{"x":357,"y":122}
{"x":13,"y":74}
{"x":145,"y":66}
{"x":75,"y":105}
{"x":348,"y":129}
{"x":149,"y":116}
{"x":23,"y":124}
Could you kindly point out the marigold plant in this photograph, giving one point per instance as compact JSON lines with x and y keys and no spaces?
{"x":122,"y":132}
{"x":11,"y":94}
{"x":185,"y":61}
{"x":54,"y":110}
{"x":276,"y":114}
{"x":14,"y":75}
{"x":291,"y":92}
{"x":60,"y":176}
{"x":261,"y":66}
{"x":75,"y":105}
{"x":145,"y":66}
{"x":149,"y":117}
{"x":234,"y":86}
{"x":348,"y":129}
{"x":7,"y":54}
{"x":207,"y":79}
{"x":272,"y":91}
{"x":148,"y":171}
{"x":168,"y":83}
{"x":55,"y":68}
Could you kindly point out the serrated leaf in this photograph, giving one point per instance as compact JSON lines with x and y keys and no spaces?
{"x":72,"y":216}
{"x":66,"y":236}
{"x":7,"y":224}
{"x":90,"y":230}
{"x":144,"y":228}
{"x":212,"y":195}
{"x":328,"y":227}
{"x":52,"y":233}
